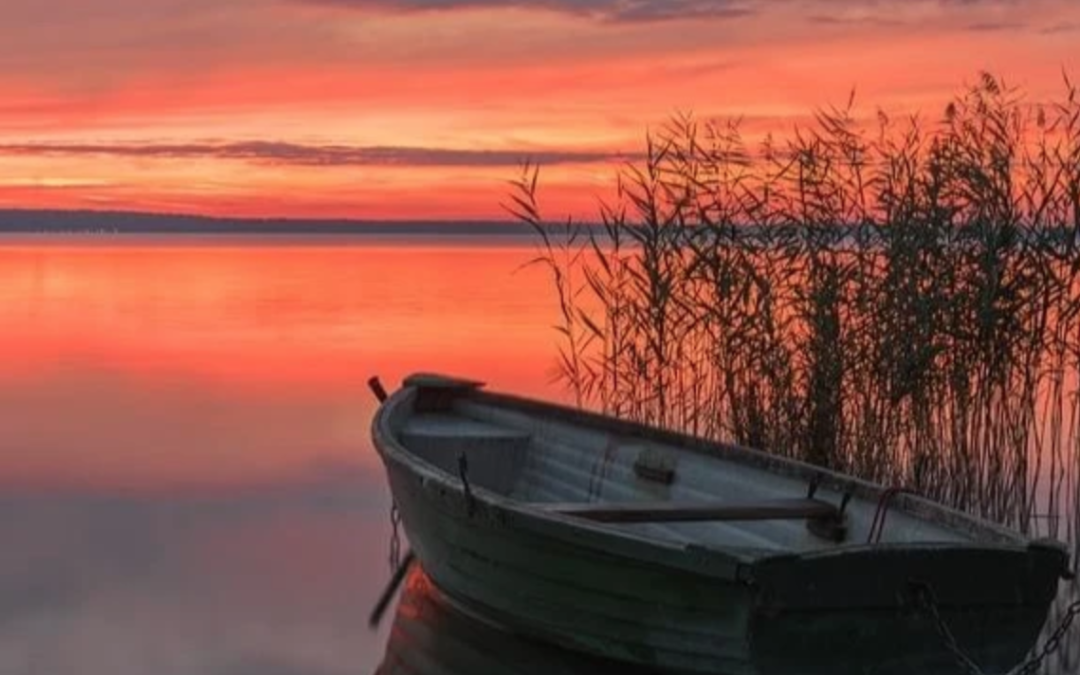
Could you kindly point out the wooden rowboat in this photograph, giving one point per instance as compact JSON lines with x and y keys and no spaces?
{"x":665,"y":551}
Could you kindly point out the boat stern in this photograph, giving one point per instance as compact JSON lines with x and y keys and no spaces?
{"x":892,"y":606}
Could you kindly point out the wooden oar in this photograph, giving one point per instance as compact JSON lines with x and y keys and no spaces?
{"x":675,"y":512}
{"x":406,"y":561}
{"x":391,"y":588}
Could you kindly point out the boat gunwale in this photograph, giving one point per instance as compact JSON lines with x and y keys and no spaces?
{"x":984,"y":535}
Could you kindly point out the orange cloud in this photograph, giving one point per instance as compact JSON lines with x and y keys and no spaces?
{"x":468,"y":80}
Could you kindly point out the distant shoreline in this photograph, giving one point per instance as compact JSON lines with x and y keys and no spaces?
{"x":45,"y":225}
{"x":104,"y":223}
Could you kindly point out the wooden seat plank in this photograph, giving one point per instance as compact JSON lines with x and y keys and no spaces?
{"x":669,"y":511}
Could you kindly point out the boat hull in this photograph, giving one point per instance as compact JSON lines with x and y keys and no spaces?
{"x":431,"y":635}
{"x":589,"y":600}
{"x":576,"y":597}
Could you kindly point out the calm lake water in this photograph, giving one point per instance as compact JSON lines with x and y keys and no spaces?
{"x":187,"y":483}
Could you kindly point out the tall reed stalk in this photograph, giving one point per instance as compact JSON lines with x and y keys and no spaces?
{"x":897,"y":299}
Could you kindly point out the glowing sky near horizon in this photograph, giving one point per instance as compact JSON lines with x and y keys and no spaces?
{"x":424,"y":108}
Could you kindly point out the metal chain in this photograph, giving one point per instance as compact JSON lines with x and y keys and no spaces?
{"x":925,"y":594}
{"x":1052,"y":643}
{"x":395,"y":538}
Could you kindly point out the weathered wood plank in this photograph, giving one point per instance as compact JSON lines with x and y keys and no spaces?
{"x":665,"y":511}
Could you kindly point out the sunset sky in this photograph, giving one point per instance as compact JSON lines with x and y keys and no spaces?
{"x":424,"y":108}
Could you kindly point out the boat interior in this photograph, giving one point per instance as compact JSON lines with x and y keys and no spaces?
{"x":634,"y":483}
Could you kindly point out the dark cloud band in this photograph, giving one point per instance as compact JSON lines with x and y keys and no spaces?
{"x":644,"y":11}
{"x":295,"y":154}
{"x":629,"y":11}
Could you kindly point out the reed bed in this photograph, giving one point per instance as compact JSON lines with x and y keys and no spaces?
{"x":896,"y":299}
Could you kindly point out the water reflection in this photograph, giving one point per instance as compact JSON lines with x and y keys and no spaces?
{"x":186,"y":480}
{"x":429,"y":636}
{"x":269,"y":581}
{"x":251,"y":355}
{"x":186,"y":483}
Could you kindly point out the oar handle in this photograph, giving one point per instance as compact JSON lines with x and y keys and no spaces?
{"x":376,"y":387}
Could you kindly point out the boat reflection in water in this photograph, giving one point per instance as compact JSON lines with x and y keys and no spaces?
{"x":431,"y":635}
